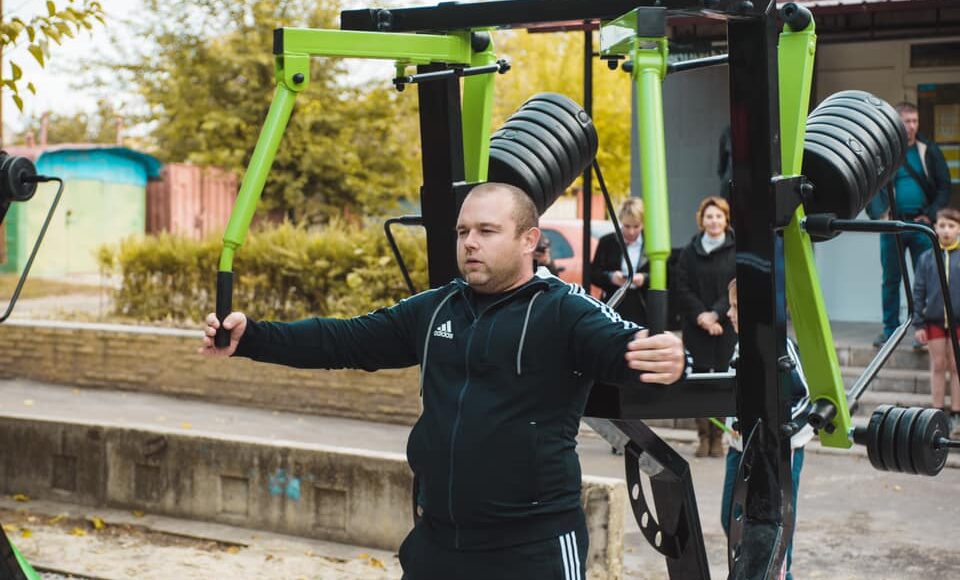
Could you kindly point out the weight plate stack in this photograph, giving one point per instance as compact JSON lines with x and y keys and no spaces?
{"x":854,"y":144}
{"x":543,"y":147}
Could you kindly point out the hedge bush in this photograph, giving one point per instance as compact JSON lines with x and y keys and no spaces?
{"x":284,"y":272}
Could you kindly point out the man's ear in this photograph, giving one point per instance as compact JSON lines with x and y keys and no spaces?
{"x":530,"y":239}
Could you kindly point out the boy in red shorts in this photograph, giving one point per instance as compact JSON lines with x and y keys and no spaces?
{"x":930,"y":318}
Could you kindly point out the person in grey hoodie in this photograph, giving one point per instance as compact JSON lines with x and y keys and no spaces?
{"x":507,"y":357}
{"x":929,"y":317}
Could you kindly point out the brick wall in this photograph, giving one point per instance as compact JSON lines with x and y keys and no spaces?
{"x":164,"y":361}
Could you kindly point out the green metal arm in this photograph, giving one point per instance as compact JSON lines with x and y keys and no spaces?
{"x":649,"y":61}
{"x":293,"y":48}
{"x":804,"y":296}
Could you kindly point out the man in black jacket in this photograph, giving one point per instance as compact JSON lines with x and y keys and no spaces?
{"x":921,"y":188}
{"x":506,"y":360}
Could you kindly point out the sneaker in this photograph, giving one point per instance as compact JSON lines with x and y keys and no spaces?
{"x":881,"y":339}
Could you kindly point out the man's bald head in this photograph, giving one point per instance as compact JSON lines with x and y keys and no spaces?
{"x":524,"y":212}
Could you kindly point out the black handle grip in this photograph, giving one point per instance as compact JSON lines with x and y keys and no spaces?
{"x":656,"y":311}
{"x":224,"y":307}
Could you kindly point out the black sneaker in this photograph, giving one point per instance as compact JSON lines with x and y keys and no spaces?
{"x":881,"y":339}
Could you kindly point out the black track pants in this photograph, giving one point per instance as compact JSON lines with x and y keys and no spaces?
{"x":562,"y":557}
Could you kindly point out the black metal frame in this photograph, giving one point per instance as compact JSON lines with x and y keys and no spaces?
{"x":760,"y":403}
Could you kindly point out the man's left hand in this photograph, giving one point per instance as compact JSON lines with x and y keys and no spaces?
{"x":660,"y":358}
{"x":922,"y":219}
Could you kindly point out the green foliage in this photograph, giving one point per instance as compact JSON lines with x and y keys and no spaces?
{"x":285,"y":272}
{"x":39,"y":31}
{"x":554,"y":62}
{"x":207,"y":75}
{"x":97,"y":127}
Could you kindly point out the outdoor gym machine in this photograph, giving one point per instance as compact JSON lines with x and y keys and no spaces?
{"x":769,"y":99}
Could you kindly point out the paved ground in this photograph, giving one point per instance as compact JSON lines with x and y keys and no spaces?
{"x":855,"y":523}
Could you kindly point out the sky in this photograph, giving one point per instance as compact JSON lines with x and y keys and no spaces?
{"x":60,"y":85}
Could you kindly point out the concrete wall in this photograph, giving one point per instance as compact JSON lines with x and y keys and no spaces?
{"x":165,"y":361}
{"x":344,"y":495}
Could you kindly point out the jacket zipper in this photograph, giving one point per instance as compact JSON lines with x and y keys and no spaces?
{"x":453,"y":433}
{"x":463,"y":392}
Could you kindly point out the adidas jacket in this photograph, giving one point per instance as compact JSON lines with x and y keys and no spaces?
{"x":503,"y":392}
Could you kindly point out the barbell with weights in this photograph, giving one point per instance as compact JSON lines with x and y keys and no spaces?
{"x":907,"y":439}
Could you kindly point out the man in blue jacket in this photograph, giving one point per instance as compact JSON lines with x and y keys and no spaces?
{"x":921,"y":188}
{"x":507,"y":357}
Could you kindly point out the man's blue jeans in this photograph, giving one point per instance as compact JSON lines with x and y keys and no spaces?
{"x":914,"y":243}
{"x":730,"y":478}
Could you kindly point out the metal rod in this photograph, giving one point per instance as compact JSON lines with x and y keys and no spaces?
{"x":617,"y":297}
{"x":587,"y":183}
{"x":696,"y":63}
{"x":406,"y":220}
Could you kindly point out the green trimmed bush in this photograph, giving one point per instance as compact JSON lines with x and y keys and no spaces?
{"x":283,"y":272}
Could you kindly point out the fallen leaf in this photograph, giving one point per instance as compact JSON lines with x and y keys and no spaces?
{"x":376,"y":563}
{"x":268,"y":557}
{"x":28,"y":402}
{"x":138,"y":514}
{"x":10,"y":528}
{"x":32,"y":519}
{"x":233,"y":550}
{"x":21,"y":497}
{"x":26,"y":533}
{"x":98,"y":524}
{"x":186,"y":425}
{"x":363,"y":556}
{"x":55,"y":519}
{"x":78,"y":532}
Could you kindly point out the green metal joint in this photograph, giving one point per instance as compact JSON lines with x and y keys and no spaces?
{"x":293,"y":71}
{"x":650,"y":54}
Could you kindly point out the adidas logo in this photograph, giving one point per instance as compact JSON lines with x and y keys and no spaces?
{"x":445,"y":330}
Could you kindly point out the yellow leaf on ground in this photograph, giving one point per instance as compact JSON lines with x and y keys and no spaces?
{"x":10,"y":528}
{"x":233,"y":549}
{"x":138,"y":514}
{"x":98,"y":524}
{"x":26,"y":533}
{"x":21,"y":497}
{"x":363,"y":556}
{"x":78,"y":532}
{"x":186,"y":425}
{"x":55,"y":519}
{"x":376,"y":563}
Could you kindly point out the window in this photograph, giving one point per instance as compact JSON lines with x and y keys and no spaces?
{"x":559,"y":246}
{"x":935,"y":54}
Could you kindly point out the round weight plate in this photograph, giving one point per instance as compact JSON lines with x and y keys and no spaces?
{"x":833,"y":180}
{"x":575,"y":111}
{"x":505,"y":167}
{"x":854,"y":163}
{"x":889,"y":130}
{"x":856,"y":153}
{"x":543,"y":135}
{"x":532,"y":162}
{"x":887,"y":441}
{"x":932,"y":425}
{"x":536,"y":147}
{"x":567,"y":143}
{"x":877,"y":153}
{"x":877,"y":420}
{"x":869,"y":126}
{"x":584,"y":157}
{"x":902,"y":440}
{"x":857,"y":140}
{"x":879,"y":105}
{"x":888,"y":118}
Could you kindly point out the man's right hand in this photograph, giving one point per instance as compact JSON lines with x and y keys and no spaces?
{"x":235,"y":322}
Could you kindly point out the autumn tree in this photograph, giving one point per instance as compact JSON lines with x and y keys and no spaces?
{"x":207,"y":77}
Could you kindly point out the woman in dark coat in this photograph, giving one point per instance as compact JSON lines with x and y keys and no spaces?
{"x":609,"y":269}
{"x":705,"y":269}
